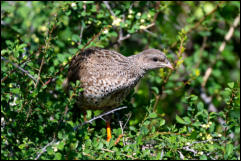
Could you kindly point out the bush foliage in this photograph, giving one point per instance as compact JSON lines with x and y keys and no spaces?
{"x":191,"y":112}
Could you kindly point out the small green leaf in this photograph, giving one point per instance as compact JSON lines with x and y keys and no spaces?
{"x":147,"y":122}
{"x":187,"y":120}
{"x":231,"y":84}
{"x":200,"y":106}
{"x":153,"y":115}
{"x":58,"y":156}
{"x":229,"y":149}
{"x":180,"y":120}
{"x":162,"y":122}
{"x":155,"y":89}
{"x":203,"y":157}
{"x":61,"y":146}
{"x":21,"y":146}
{"x":100,"y":146}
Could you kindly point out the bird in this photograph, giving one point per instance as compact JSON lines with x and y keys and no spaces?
{"x":107,"y":77}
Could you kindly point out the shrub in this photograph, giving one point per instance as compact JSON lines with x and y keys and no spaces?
{"x":192,"y":112}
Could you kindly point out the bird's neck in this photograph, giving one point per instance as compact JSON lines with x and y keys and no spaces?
{"x":135,"y":61}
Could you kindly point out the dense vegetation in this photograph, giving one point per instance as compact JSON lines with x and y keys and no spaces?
{"x":191,"y":112}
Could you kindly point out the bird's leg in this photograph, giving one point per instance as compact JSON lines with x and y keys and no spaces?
{"x":107,"y":119}
{"x":85,"y":114}
{"x":108,"y":129}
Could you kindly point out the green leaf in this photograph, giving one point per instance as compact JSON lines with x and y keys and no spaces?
{"x":155,"y":89}
{"x":162,"y":122}
{"x":153,"y":115}
{"x":187,"y":120}
{"x":100,"y":146}
{"x":229,"y":149}
{"x":203,"y":157}
{"x":180,"y":120}
{"x":57,"y":156}
{"x":61,"y":146}
{"x":147,"y":122}
{"x":231,"y":84}
{"x":200,"y":106}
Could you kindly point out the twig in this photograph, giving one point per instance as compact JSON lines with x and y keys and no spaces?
{"x":189,"y":149}
{"x":100,"y":116}
{"x":230,"y":33}
{"x":171,"y":133}
{"x":206,"y":76}
{"x":20,"y":68}
{"x":81,"y":33}
{"x":122,"y":129}
{"x":157,"y":98}
{"x":122,"y":133}
{"x":108,"y":7}
{"x":162,"y":153}
{"x":181,"y":155}
{"x":129,"y":116}
{"x":149,"y":32}
{"x":204,"y":141}
{"x":40,"y":69}
{"x":129,"y":156}
{"x":44,"y":149}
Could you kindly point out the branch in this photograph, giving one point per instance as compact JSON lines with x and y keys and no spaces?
{"x":108,"y":7}
{"x":181,"y":155}
{"x":81,"y":33}
{"x":229,"y":33}
{"x":20,"y":68}
{"x":44,"y":149}
{"x":100,"y":116}
{"x":122,"y":129}
{"x":122,"y":134}
{"x":40,"y":69}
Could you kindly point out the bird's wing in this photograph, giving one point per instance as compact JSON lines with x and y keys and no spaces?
{"x":102,"y":72}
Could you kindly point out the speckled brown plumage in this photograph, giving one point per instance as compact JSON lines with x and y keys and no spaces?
{"x":107,"y":76}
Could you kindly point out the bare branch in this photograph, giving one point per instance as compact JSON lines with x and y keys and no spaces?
{"x":44,"y":149}
{"x":40,"y":69}
{"x":81,"y":33}
{"x":122,"y":132}
{"x":101,"y":116}
{"x":129,"y":116}
{"x":229,"y":33}
{"x":20,"y":68}
{"x":108,"y":7}
{"x":181,"y":155}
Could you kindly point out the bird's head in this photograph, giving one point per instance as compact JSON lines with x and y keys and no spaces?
{"x":153,"y":59}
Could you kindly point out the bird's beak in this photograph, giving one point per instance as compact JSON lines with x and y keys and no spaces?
{"x":168,"y":65}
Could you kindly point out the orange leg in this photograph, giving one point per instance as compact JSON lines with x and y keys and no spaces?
{"x":108,"y":131}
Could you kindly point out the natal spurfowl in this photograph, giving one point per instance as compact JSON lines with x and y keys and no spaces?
{"x":107,"y":76}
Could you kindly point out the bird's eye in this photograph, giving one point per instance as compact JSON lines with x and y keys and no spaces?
{"x":155,"y":59}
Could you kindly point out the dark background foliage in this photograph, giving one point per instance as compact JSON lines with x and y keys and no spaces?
{"x":191,"y":112}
